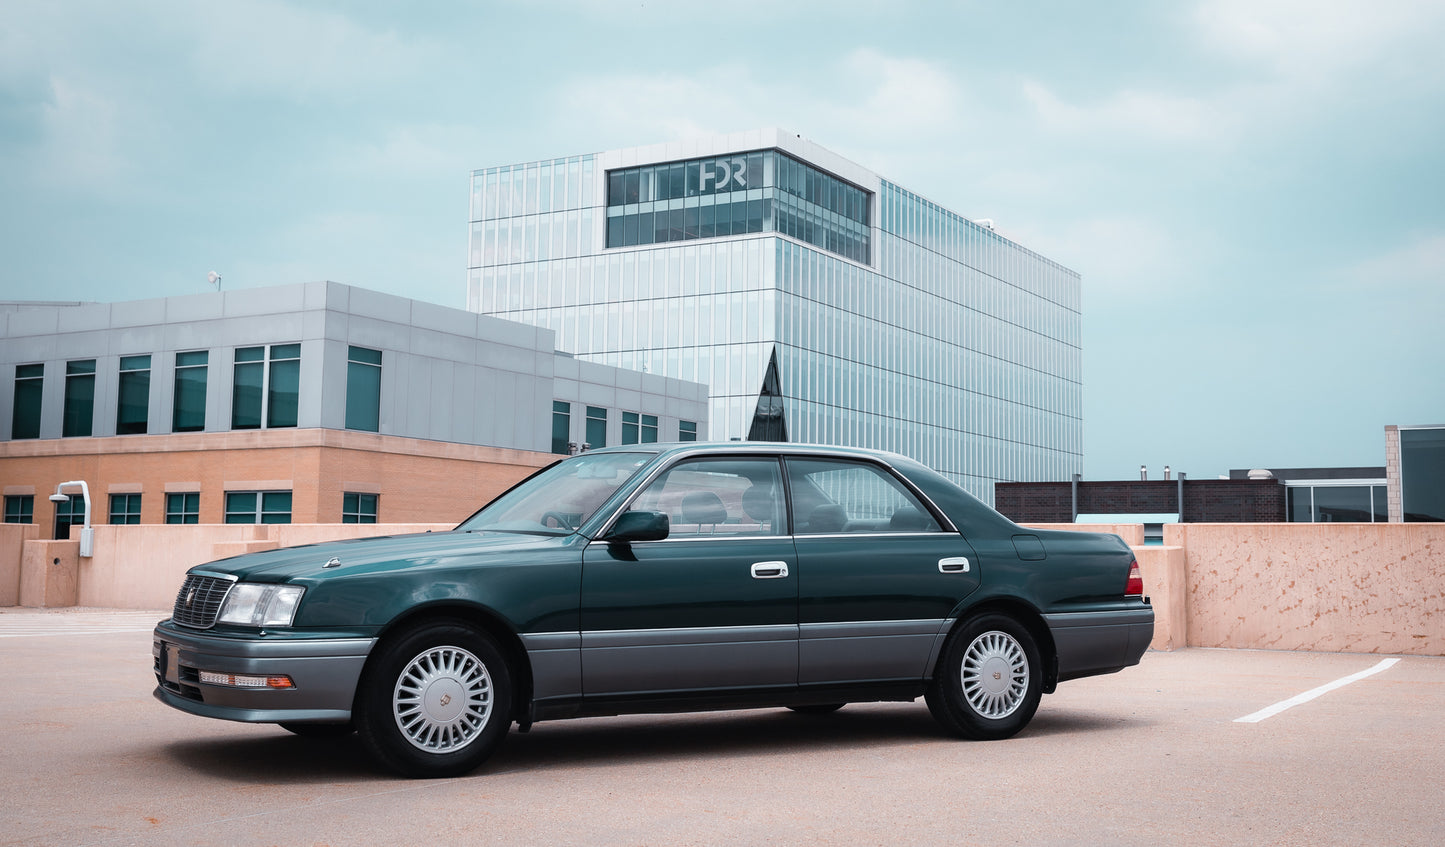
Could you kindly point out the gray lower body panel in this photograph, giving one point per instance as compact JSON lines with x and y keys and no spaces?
{"x":324,"y":672}
{"x":865,"y":651}
{"x":643,"y":661}
{"x":1091,"y":643}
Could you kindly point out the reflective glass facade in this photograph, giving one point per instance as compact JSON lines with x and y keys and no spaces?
{"x":935,"y":337}
{"x":759,"y":191}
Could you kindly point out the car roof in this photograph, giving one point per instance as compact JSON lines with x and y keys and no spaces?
{"x":678,"y":448}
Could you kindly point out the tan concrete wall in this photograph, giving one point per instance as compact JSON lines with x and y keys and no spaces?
{"x":49,"y":573}
{"x":1367,"y":588}
{"x":1376,"y":588}
{"x":141,"y":567}
{"x":12,"y":548}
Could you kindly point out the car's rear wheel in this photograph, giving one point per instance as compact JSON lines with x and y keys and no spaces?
{"x":818,"y":708}
{"x":989,"y":681}
{"x":435,"y":701}
{"x":319,"y":730}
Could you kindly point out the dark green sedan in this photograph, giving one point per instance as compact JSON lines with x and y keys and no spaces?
{"x":658,"y":578}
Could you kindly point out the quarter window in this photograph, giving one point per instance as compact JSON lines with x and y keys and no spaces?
{"x":840,"y":496}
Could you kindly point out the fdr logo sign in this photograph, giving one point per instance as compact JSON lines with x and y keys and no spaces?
{"x":722,"y":175}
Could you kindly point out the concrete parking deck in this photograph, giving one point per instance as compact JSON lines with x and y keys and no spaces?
{"x":1154,"y":755}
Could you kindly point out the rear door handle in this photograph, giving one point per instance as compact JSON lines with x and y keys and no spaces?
{"x":770,"y":570}
{"x":953,"y":564}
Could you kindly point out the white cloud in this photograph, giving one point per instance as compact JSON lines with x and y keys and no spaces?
{"x":1133,"y":115}
{"x":278,"y":49}
{"x":1317,"y":42}
{"x":877,"y":97}
{"x":1115,"y":255}
{"x":1415,"y":269}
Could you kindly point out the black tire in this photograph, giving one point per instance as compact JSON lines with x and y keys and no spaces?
{"x":319,"y":730}
{"x":435,"y":700}
{"x":989,"y":680}
{"x":818,"y":709}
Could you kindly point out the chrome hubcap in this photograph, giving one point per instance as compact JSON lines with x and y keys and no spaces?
{"x":442,"y":699}
{"x":995,"y":674}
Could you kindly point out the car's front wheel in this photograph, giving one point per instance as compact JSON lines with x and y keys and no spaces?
{"x":989,"y":680}
{"x":435,"y":701}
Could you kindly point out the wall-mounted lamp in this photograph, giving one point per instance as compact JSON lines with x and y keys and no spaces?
{"x":87,"y":535}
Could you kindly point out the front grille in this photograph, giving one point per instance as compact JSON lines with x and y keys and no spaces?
{"x":199,"y":600}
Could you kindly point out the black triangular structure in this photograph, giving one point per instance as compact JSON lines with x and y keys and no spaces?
{"x":769,"y":423}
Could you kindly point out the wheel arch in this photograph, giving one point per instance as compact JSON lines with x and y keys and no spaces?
{"x":1026,"y":615}
{"x":484,"y":619}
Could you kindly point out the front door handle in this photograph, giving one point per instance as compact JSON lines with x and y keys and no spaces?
{"x":770,"y":570}
{"x":953,"y":564}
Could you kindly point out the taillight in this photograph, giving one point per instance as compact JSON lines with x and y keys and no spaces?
{"x":1135,"y":586}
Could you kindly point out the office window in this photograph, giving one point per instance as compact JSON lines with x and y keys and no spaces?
{"x":596,"y":427}
{"x":561,"y":426}
{"x":79,"y":398}
{"x":284,"y":388}
{"x":20,"y":508}
{"x":183,"y":507}
{"x":67,"y":514}
{"x":1422,"y":474}
{"x":266,"y":389}
{"x":358,"y":508}
{"x":125,"y":508}
{"x":638,"y":428}
{"x":29,"y":386}
{"x":189,"y":412}
{"x":258,"y":507}
{"x":246,"y":393}
{"x":132,"y":414}
{"x":686,"y":430}
{"x":363,"y":389}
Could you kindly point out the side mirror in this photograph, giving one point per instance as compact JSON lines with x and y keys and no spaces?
{"x":639,"y":526}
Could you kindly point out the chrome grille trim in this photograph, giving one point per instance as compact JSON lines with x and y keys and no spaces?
{"x":199,"y":600}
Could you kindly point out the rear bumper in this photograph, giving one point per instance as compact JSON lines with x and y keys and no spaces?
{"x":1090,"y":643}
{"x":324,"y":671}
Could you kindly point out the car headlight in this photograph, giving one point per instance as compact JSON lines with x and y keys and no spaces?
{"x":256,"y":604}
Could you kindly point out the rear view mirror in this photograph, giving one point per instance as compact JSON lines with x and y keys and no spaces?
{"x":640,"y":526}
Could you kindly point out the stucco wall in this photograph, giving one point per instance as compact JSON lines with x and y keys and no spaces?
{"x":1367,"y":588}
{"x":1373,"y":588}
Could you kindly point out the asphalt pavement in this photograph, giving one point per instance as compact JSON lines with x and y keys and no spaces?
{"x":1154,"y":755}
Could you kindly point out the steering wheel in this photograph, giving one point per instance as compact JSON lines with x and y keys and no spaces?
{"x":558,"y":518}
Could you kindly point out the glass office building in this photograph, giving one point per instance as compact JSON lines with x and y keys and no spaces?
{"x":820,"y":302}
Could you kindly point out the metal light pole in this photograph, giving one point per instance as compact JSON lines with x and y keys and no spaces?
{"x":87,"y":535}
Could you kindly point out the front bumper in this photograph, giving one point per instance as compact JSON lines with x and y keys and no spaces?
{"x":325,"y":672}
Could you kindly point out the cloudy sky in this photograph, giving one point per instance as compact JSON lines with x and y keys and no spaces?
{"x":1253,"y":190}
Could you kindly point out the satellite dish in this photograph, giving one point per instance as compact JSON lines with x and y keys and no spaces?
{"x":214,"y":279}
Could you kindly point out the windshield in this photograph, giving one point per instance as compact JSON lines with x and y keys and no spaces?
{"x":561,"y":498}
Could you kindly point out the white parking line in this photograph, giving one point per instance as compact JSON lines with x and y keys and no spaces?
{"x":1271,"y":711}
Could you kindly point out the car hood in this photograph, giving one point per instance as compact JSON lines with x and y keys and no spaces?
{"x":370,"y":555}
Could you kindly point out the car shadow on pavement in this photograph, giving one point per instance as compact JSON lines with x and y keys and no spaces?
{"x":606,"y":742}
{"x":279,"y":760}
